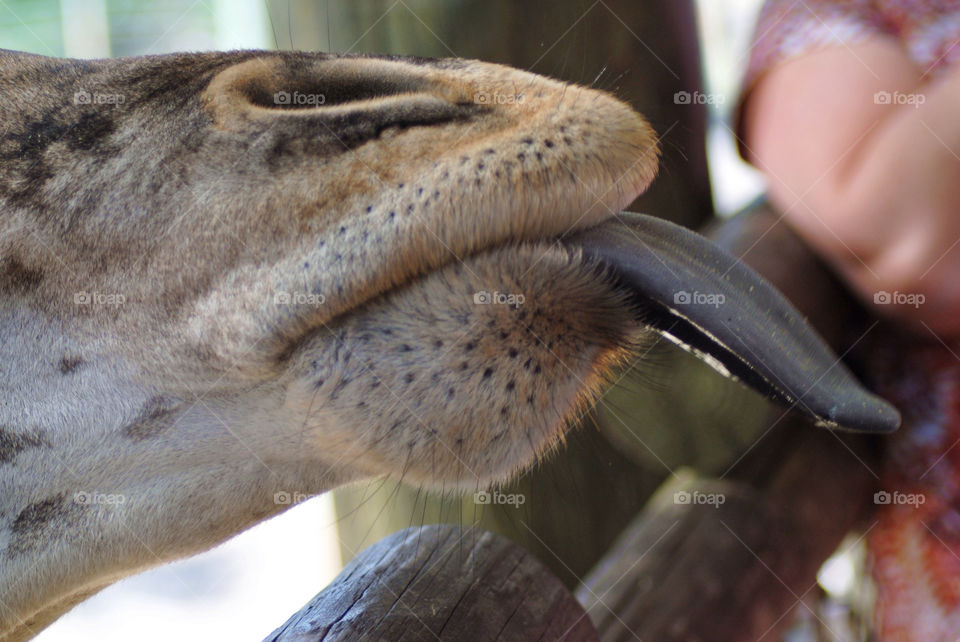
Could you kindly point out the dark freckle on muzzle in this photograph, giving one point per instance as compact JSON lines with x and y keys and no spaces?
{"x":69,"y":364}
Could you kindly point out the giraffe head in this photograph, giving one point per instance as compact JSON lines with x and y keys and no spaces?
{"x":227,"y":274}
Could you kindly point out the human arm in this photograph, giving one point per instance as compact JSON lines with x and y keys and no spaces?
{"x":874,"y":187}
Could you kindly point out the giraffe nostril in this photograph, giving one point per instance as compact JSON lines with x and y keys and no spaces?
{"x":314,"y":81}
{"x":329,"y":105}
{"x":317,"y":88}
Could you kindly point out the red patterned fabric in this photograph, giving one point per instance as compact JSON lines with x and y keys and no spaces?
{"x":914,"y":541}
{"x":929,"y":30}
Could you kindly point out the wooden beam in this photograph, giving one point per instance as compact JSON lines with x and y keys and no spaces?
{"x":441,"y":582}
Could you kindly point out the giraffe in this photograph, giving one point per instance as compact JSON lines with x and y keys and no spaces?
{"x":227,"y":274}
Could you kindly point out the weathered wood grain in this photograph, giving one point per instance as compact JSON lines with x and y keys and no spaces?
{"x":441,"y":583}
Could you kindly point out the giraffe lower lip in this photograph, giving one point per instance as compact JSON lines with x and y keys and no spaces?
{"x":713,"y":305}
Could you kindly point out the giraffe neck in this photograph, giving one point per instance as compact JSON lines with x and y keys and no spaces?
{"x":91,"y":460}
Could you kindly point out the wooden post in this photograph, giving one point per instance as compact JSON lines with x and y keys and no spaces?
{"x":441,"y":583}
{"x":735,"y":565}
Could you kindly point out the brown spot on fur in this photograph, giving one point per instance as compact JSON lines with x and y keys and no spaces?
{"x":24,"y":151}
{"x":69,"y":364}
{"x":16,"y":278}
{"x":33,"y":525}
{"x":12,"y":443}
{"x":89,"y":132}
{"x":155,"y":418}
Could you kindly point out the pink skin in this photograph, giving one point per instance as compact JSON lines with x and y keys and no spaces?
{"x":874,"y":187}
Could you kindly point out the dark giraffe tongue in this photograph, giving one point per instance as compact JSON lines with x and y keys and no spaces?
{"x":710,"y":303}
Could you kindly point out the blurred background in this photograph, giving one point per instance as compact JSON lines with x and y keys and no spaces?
{"x":245,"y":588}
